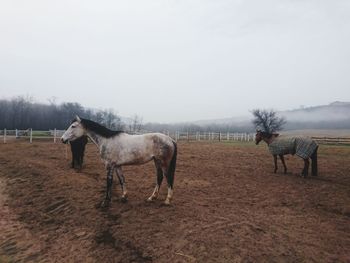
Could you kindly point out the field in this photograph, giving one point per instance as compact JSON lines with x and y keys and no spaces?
{"x":228,"y":207}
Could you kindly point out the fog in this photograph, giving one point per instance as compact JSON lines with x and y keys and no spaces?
{"x":177,"y":61}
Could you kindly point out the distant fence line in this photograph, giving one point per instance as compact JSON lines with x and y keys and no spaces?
{"x":55,"y":135}
{"x":30,"y":134}
{"x":332,"y":140}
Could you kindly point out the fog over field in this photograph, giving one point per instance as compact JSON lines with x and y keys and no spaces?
{"x":177,"y":61}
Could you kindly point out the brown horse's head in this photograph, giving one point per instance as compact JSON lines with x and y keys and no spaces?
{"x":261,"y":135}
{"x":258,"y":136}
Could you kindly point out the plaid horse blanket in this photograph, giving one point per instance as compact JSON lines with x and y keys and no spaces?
{"x":303,"y":147}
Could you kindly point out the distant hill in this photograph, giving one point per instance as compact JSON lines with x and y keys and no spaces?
{"x":335,"y":115}
{"x":331,"y":112}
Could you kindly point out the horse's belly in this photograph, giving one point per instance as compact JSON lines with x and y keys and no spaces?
{"x":131,"y":157}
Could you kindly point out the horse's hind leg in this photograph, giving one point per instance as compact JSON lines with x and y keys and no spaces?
{"x":314,"y":168}
{"x":159,"y":181}
{"x":170,"y":180}
{"x":122,"y":183}
{"x":306,"y":167}
{"x":109,"y":186}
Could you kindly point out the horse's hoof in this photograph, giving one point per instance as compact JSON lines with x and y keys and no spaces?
{"x":105,"y":203}
{"x":124,"y":199}
{"x":167,"y":202}
{"x":151,"y":198}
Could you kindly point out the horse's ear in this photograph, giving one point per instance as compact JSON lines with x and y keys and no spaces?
{"x":77,"y":118}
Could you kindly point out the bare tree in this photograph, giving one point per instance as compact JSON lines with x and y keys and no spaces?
{"x":136,"y":124}
{"x":267,"y":120}
{"x":110,"y":119}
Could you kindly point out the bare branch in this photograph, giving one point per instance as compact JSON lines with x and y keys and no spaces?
{"x":267,"y":120}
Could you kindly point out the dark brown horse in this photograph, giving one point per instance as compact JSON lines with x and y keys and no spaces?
{"x":78,"y":148}
{"x":304,"y":147}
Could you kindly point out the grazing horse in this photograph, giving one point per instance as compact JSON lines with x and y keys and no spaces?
{"x":78,"y":148}
{"x":118,"y":148}
{"x":303,"y":147}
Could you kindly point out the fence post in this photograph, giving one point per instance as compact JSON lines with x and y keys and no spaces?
{"x":5,"y":135}
{"x":219,"y":136}
{"x":31,"y":136}
{"x":16,"y":133}
{"x":54,"y":136}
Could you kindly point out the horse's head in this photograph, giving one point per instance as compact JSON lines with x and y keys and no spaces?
{"x":74,"y":131}
{"x":258,"y":137}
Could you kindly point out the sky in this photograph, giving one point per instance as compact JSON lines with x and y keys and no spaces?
{"x":177,"y":60}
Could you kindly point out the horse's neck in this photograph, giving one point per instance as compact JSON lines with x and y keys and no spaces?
{"x":271,"y":139}
{"x":95,"y":138}
{"x":101,"y":141}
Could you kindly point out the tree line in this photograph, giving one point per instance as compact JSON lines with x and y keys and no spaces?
{"x":23,"y":113}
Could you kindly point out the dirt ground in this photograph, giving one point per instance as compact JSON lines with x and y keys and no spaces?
{"x":228,"y":207}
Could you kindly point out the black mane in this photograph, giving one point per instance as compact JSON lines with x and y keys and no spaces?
{"x":267,"y":134}
{"x":99,"y":129}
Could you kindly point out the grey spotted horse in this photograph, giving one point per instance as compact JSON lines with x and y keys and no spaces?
{"x":304,"y":147}
{"x":118,"y":148}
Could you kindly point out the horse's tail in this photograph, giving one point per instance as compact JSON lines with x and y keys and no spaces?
{"x":314,"y":163}
{"x":172,"y":166}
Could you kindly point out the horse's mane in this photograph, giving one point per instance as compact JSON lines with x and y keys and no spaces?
{"x":98,"y":128}
{"x":268,"y":135}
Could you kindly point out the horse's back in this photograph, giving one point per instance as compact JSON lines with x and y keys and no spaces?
{"x":302,"y":146}
{"x":132,"y":149}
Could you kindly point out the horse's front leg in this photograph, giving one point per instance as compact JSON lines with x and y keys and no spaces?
{"x":306,"y":167}
{"x":275,"y":162}
{"x":284,"y":163}
{"x":109,"y":186}
{"x":121,"y":178}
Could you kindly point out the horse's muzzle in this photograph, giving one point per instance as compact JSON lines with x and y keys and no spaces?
{"x":64,"y":141}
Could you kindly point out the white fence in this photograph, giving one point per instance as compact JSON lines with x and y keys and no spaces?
{"x":211,"y":136}
{"x":30,"y":135}
{"x":54,"y":135}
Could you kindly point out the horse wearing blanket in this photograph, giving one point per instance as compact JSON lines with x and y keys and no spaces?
{"x":118,"y":148}
{"x":304,"y":147}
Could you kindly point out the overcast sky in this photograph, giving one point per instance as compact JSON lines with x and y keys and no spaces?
{"x":177,"y":60}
